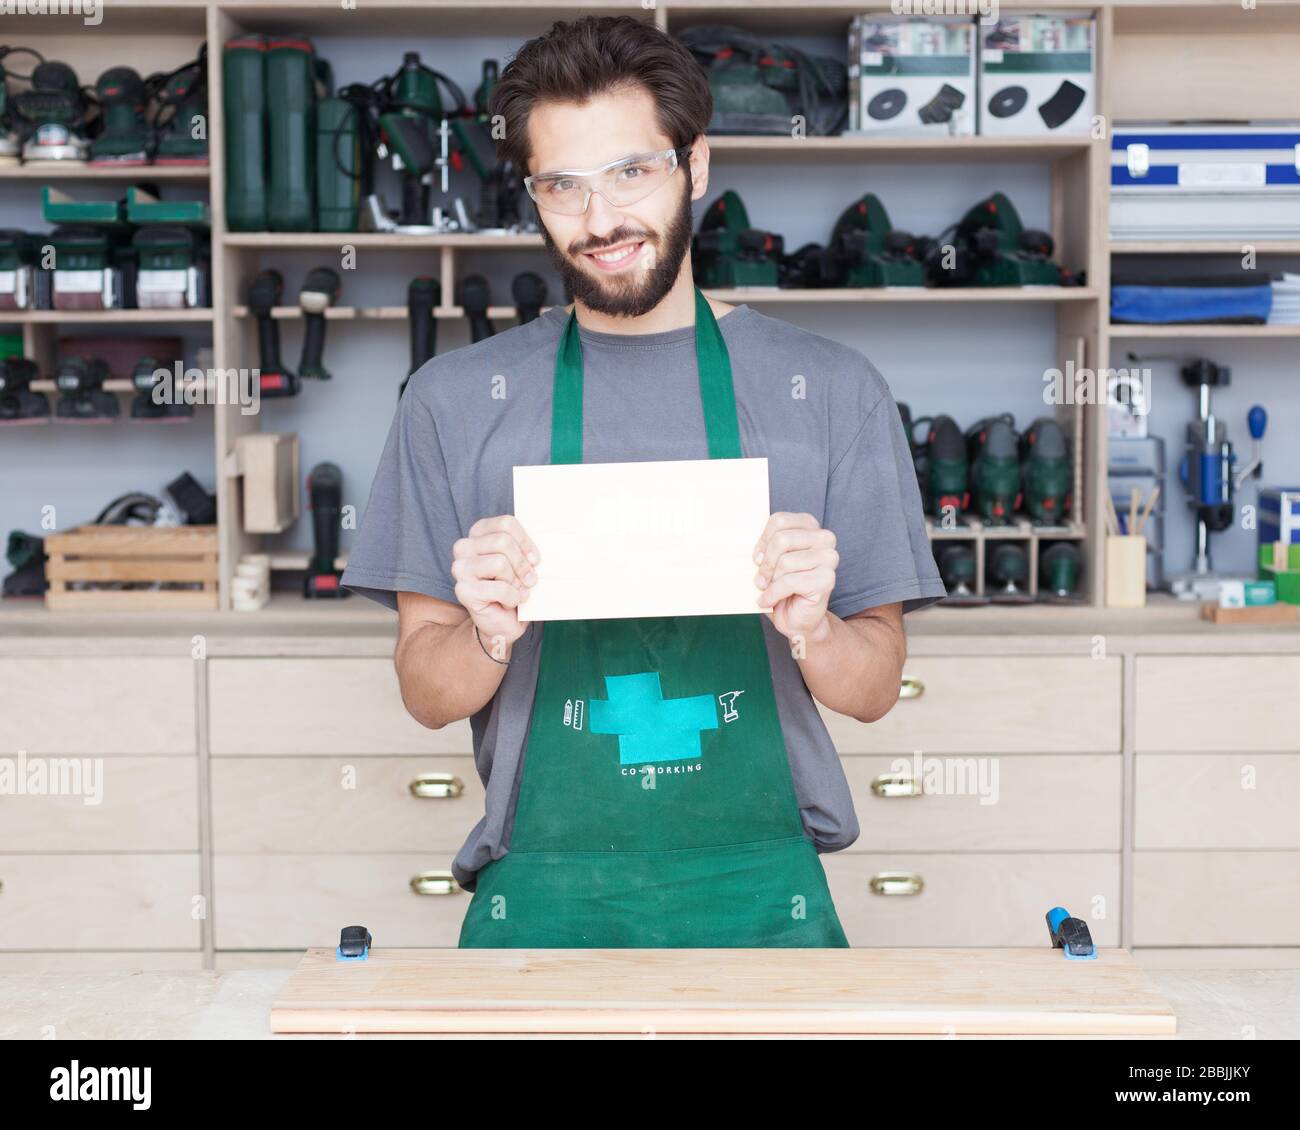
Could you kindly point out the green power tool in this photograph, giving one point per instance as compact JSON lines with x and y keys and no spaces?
{"x":1059,"y":567}
{"x":11,"y":137}
{"x":412,"y":114}
{"x":1008,"y":573}
{"x":993,"y":447}
{"x":1047,"y":472}
{"x":180,"y":118}
{"x":123,"y":137}
{"x":871,"y":251}
{"x":727,"y":251}
{"x":990,"y":247}
{"x":52,"y":115}
{"x":957,"y":567}
{"x":17,"y":270}
{"x":943,"y":468}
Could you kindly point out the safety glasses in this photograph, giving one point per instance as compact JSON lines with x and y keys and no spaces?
{"x":621,"y":182}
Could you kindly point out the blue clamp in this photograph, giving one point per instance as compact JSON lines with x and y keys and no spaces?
{"x":1070,"y":935}
{"x":354,"y":944}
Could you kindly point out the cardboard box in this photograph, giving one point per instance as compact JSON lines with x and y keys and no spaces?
{"x":1037,"y":75}
{"x":912,"y":76}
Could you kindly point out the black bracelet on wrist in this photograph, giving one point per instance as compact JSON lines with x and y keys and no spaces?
{"x":503,"y":662}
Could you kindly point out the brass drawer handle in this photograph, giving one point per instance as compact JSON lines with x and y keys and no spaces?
{"x":437,"y":786}
{"x":896,"y":883}
{"x":435,"y":883}
{"x":911,"y":687}
{"x":895,"y":785}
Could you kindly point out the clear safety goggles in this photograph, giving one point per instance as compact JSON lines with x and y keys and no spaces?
{"x":621,"y":182}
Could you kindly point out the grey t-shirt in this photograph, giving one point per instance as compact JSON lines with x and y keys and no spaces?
{"x":818,"y":410}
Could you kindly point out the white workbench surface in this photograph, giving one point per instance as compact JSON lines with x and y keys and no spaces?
{"x":1218,"y":1003}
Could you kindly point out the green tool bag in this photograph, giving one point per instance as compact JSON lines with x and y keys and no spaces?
{"x":338,"y":165}
{"x":243,"y":66}
{"x":759,"y":86}
{"x":291,"y":133}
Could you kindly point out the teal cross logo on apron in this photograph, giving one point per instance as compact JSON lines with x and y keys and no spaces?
{"x":649,"y":726}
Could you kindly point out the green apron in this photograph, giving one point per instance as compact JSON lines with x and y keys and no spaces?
{"x":656,"y":807}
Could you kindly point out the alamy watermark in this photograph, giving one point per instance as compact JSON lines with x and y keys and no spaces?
{"x":53,"y":776}
{"x":179,"y":385}
{"x":987,"y":10}
{"x":90,"y":11}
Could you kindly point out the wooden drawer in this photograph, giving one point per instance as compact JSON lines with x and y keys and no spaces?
{"x":992,"y":704}
{"x":1025,"y":802}
{"x":99,"y":902}
{"x":1196,"y":800}
{"x":97,"y":706}
{"x":1217,"y":704}
{"x":333,"y":804}
{"x":350,"y":706}
{"x":298,"y":901}
{"x":1216,"y":898}
{"x":973,"y":899}
{"x":145,"y":804}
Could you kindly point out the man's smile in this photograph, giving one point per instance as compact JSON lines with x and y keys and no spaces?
{"x":615,"y":258}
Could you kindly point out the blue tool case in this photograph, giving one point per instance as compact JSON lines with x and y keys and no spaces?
{"x":1192,"y":182}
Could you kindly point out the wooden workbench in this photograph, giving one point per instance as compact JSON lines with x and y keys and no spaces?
{"x":733,"y":991}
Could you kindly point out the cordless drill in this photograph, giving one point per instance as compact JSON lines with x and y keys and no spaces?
{"x":325,"y":490}
{"x":422,"y":296}
{"x":319,"y":292}
{"x":263,"y":296}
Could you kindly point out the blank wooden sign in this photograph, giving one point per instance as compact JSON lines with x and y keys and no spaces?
{"x":788,"y":991}
{"x":670,"y":538}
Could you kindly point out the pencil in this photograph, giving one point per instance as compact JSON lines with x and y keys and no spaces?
{"x":1146,"y":510}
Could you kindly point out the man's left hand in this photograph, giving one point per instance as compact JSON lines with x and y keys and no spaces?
{"x":796,"y":561}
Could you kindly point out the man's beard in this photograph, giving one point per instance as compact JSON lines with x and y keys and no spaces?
{"x":632,"y":294}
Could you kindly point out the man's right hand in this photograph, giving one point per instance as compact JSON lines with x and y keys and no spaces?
{"x":493,"y":569}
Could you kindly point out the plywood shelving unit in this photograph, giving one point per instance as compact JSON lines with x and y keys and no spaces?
{"x":1148,"y":62}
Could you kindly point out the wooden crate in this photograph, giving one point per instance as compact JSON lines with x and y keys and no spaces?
{"x":141,"y":554}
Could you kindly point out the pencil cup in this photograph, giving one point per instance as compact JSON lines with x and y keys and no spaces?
{"x":1126,"y":571}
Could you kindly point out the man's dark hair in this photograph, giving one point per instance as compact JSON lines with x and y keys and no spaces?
{"x":576,"y":61}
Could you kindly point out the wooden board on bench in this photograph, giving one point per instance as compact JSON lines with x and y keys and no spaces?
{"x":742,"y":991}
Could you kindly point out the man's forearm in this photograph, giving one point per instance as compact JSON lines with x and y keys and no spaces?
{"x":444,"y":673}
{"x":854,"y":668}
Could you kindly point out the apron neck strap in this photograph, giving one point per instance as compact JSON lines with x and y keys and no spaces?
{"x":717,"y":393}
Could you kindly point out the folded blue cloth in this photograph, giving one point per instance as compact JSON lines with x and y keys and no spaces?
{"x":1173,"y":304}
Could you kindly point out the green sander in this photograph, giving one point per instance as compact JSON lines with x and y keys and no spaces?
{"x":180,"y":135}
{"x":83,"y":398}
{"x":123,"y":136}
{"x":17,"y":270}
{"x":728,"y":252}
{"x":157,"y":397}
{"x":172,"y":272}
{"x":11,"y":138}
{"x":52,"y":115}
{"x":18,"y":403}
